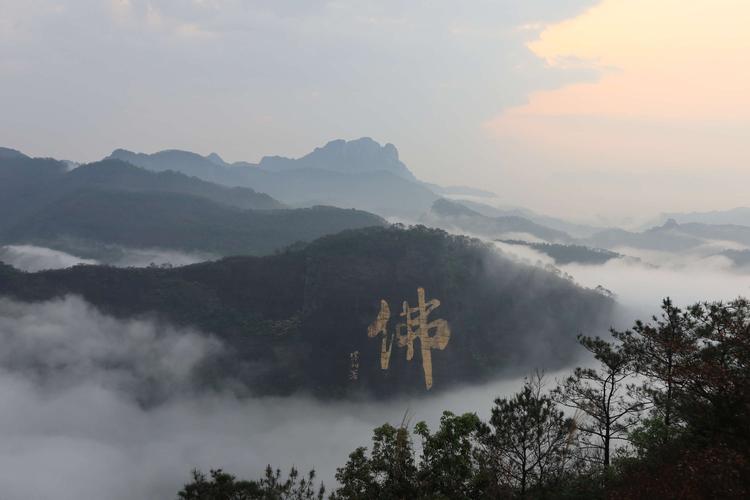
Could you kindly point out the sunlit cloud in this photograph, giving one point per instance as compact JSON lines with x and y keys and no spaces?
{"x":672,"y":89}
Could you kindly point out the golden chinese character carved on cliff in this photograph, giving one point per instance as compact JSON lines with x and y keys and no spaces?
{"x":431,"y":334}
{"x":380,"y":325}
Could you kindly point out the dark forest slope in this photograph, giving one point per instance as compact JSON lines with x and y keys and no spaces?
{"x":114,"y":203}
{"x":299,"y":320}
{"x":177,"y":221}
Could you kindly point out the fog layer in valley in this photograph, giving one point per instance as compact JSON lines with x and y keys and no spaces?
{"x":33,"y":258}
{"x":107,"y":408}
{"x":641,"y":281}
{"x":72,"y":383}
{"x":639,"y":288}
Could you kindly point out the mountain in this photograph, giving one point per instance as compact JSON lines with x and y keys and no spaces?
{"x":451,"y":215}
{"x":460,"y":191}
{"x":739,"y":216}
{"x":673,"y":237}
{"x":570,"y":254}
{"x":115,"y":203}
{"x":662,"y":238}
{"x":185,"y":162}
{"x":176,"y":221}
{"x":350,"y":157}
{"x":354,"y":174}
{"x":717,"y":232}
{"x":379,"y":192}
{"x":307,"y":319}
{"x":25,"y":186}
{"x":55,"y":178}
{"x":114,"y":173}
{"x":574,"y":229}
{"x":739,"y":258}
{"x":11,"y":154}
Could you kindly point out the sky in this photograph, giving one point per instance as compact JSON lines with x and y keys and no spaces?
{"x":600,"y":110}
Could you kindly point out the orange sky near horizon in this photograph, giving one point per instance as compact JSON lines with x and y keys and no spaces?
{"x":673,"y":88}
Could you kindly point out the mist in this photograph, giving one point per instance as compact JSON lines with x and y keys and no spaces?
{"x":74,"y":424}
{"x":99,"y":407}
{"x":33,"y":258}
{"x":639,"y":288}
{"x":643,"y":279}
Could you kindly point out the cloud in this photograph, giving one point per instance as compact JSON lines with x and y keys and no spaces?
{"x":291,"y":75}
{"x":670,"y":102}
{"x":67,"y":343}
{"x":33,"y":258}
{"x":669,"y":60}
{"x":73,"y":424}
{"x":524,"y":253}
{"x":640,"y":287}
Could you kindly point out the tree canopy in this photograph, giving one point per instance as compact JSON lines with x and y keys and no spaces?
{"x":660,"y":412}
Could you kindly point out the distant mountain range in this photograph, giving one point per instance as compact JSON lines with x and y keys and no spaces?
{"x":673,"y":237}
{"x":573,"y":229}
{"x":739,"y":216}
{"x":11,"y":154}
{"x":349,"y":174}
{"x":457,"y":217}
{"x":349,"y":157}
{"x":359,"y":174}
{"x":365,"y":175}
{"x":592,"y":245}
{"x":176,"y":221}
{"x":109,"y":174}
{"x":460,"y":191}
{"x":113,"y":202}
{"x":176,"y":198}
{"x":306,"y":319}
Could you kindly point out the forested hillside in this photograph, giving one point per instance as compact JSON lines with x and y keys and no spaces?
{"x":660,"y":412}
{"x":114,"y":203}
{"x":307,"y":318}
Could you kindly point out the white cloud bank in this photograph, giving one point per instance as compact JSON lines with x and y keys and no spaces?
{"x":72,"y":428}
{"x":33,"y":258}
{"x":73,"y":382}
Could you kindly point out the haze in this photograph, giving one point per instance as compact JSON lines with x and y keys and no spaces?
{"x":546,"y":103}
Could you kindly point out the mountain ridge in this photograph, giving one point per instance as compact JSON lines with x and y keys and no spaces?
{"x":298,"y":320}
{"x":448,"y":214}
{"x":379,"y":183}
{"x":113,"y":202}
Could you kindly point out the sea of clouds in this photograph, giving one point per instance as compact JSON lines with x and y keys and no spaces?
{"x":98,"y":407}
{"x":75,"y":425}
